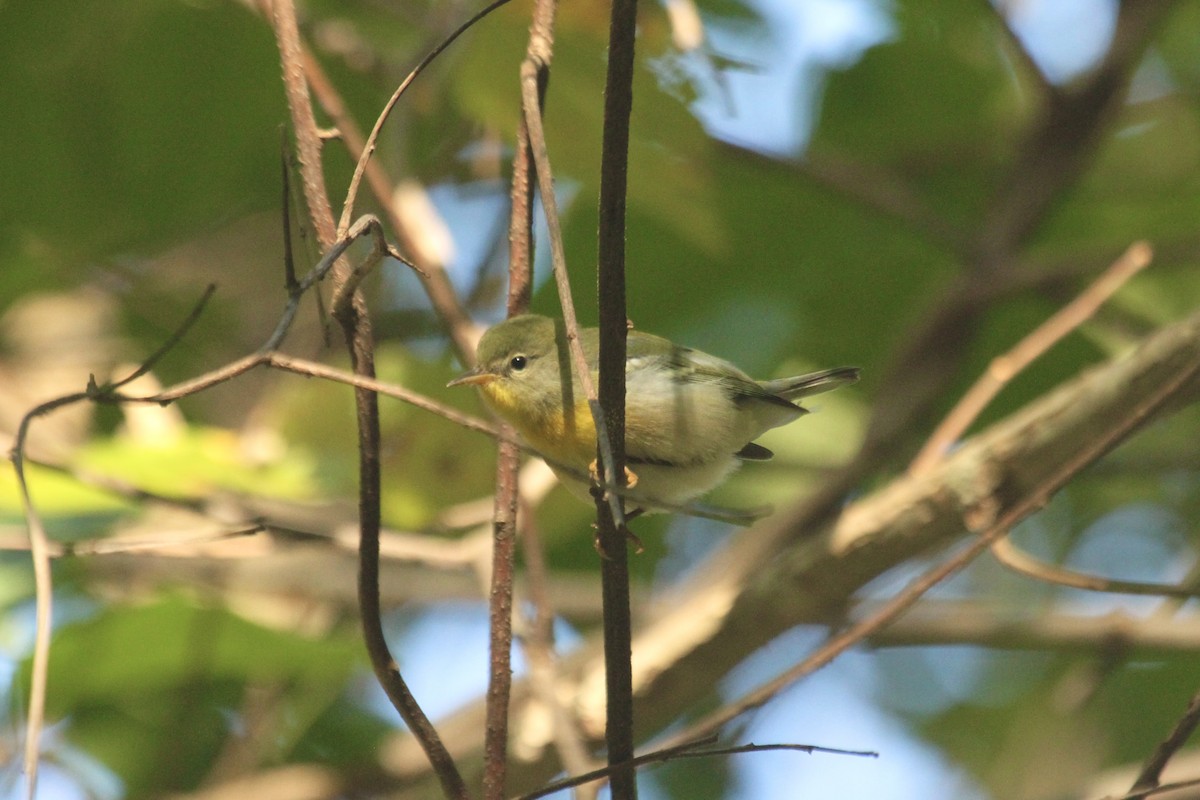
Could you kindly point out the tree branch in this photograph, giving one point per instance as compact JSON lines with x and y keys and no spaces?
{"x":748,"y":592}
{"x":351,"y":313}
{"x":1151,"y":774}
{"x":505,"y":522}
{"x":1032,"y":346}
{"x":611,"y":533}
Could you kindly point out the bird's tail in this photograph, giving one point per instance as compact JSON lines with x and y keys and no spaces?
{"x":812,"y":383}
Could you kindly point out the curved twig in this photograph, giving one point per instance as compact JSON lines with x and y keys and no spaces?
{"x":1021,"y":562}
{"x":369,"y":147}
{"x":39,"y":543}
{"x":1003,"y":368}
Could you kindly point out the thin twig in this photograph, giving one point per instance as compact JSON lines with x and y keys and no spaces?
{"x":285,"y":207}
{"x":500,"y":613}
{"x":661,"y":755}
{"x":558,"y":259}
{"x":1157,"y":790}
{"x":689,"y":750}
{"x":505,"y":521}
{"x":1151,"y":774}
{"x":363,"y":226}
{"x":1035,"y":499}
{"x":315,"y":369}
{"x":1016,"y":559}
{"x":39,"y":544}
{"x":343,"y":299}
{"x":433,"y":276}
{"x":538,"y":639}
{"x":172,"y":340}
{"x":1003,"y":368}
{"x":368,"y":148}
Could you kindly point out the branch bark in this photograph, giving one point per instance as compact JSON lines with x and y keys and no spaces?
{"x":353,"y":317}
{"x":611,"y":532}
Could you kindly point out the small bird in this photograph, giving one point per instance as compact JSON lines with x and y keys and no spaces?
{"x":690,"y":418}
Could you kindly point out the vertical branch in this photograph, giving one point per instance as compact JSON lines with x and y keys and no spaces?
{"x":500,"y":612}
{"x":618,"y":103}
{"x":504,"y":521}
{"x":356,"y":326}
{"x":39,"y":550}
{"x":545,"y":182}
{"x":433,"y":275}
{"x":304,"y":124}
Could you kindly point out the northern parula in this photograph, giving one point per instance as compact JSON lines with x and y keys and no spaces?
{"x":690,"y":418}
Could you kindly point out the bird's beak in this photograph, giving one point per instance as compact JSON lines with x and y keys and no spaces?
{"x":474,"y":377}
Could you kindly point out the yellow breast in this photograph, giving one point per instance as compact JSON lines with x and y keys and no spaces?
{"x":566,"y":438}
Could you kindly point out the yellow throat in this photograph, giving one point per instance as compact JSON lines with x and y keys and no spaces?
{"x":567,"y":438}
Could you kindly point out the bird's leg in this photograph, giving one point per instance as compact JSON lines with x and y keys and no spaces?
{"x":638,"y":548}
{"x":631,"y":477}
{"x":631,"y":480}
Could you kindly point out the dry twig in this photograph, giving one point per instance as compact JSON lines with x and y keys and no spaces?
{"x":1016,"y":559}
{"x":1003,"y":368}
{"x":1151,"y":775}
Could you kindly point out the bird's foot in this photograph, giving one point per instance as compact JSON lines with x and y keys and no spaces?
{"x":630,"y":536}
{"x":631,"y":477}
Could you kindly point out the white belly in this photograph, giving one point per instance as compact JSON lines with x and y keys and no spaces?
{"x":663,"y":485}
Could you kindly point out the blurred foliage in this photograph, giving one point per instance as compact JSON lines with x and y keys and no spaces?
{"x":141,"y":158}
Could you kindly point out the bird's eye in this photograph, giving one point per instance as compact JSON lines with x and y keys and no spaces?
{"x":518,"y":363}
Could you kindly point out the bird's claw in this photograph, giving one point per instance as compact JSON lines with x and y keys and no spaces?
{"x":631,"y":477}
{"x":632,"y":538}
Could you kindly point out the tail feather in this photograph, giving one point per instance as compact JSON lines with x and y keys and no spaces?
{"x":812,"y":383}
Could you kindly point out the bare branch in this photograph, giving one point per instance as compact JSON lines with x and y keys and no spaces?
{"x":504,"y":517}
{"x":1151,"y":774}
{"x":351,"y":312}
{"x":433,"y":275}
{"x":545,"y":178}
{"x":368,"y":148}
{"x":1003,"y":368}
{"x":1039,"y":495}
{"x":611,"y":533}
{"x":1016,"y":559}
{"x":689,"y":750}
{"x":39,"y":543}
